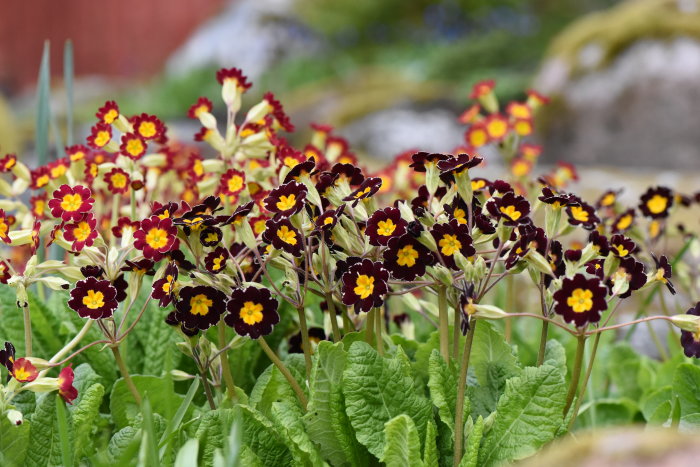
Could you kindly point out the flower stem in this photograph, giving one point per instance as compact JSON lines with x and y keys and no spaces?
{"x":225,"y":367}
{"x":378,"y":324}
{"x":333,"y":317}
{"x":369,"y":327}
{"x":444,"y":324}
{"x":285,"y":372}
{"x":125,"y":374}
{"x":305,"y":340}
{"x":461,"y":387}
{"x":579,"y":401}
{"x":456,"y":331}
{"x":543,"y":343}
{"x":27,"y":331}
{"x":576,"y":373}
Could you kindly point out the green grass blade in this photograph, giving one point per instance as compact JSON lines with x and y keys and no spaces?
{"x":43,"y":109}
{"x":175,"y":422}
{"x":148,"y":439}
{"x":68,"y":73}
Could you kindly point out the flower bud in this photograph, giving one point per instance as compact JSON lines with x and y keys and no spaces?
{"x":15,"y":417}
{"x":687,"y":322}
{"x":179,"y":375}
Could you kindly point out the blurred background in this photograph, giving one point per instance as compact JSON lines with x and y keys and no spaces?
{"x":390,"y":75}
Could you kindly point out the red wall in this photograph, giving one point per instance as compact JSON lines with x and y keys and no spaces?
{"x":122,"y":38}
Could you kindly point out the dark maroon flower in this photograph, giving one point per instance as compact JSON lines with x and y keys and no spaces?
{"x":466,"y":306}
{"x":557,"y":200}
{"x":326,"y":221}
{"x":624,"y":221}
{"x":580,"y":300}
{"x":631,"y":270}
{"x":163,"y":287}
{"x":458,"y":164}
{"x":595,"y":268}
{"x":365,"y":285}
{"x":200,"y":307}
{"x":406,"y":258}
{"x":287,"y":199}
{"x":608,"y":199}
{"x":301,"y":170}
{"x":451,"y":238}
{"x":366,"y":189}
{"x":7,"y":357}
{"x":383,"y":225}
{"x":240,"y":214}
{"x":211,"y":236}
{"x":622,"y":246}
{"x":512,"y":208}
{"x":690,"y":340}
{"x":252,"y":312}
{"x":582,"y":214}
{"x":93,"y":298}
{"x":142,"y":266}
{"x":215,"y":262}
{"x":421,"y":160}
{"x":156,"y":237}
{"x":347,"y":173}
{"x":92,"y":271}
{"x":283,"y":236}
{"x":71,"y":203}
{"x":599,"y":242}
{"x":663,"y":272}
{"x":164,"y":210}
{"x":656,"y":202}
{"x":316,"y":335}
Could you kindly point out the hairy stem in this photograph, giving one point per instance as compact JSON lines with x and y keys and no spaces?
{"x":285,"y":372}
{"x":306,"y":347}
{"x":579,"y":401}
{"x":461,"y":388}
{"x":444,"y":324}
{"x":27,"y":331}
{"x":333,"y":317}
{"x":576,"y":373}
{"x":225,"y":366}
{"x":125,"y":374}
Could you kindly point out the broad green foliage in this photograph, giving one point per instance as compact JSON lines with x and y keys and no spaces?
{"x":402,"y":445}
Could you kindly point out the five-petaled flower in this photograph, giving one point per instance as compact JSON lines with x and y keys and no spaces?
{"x":365,"y":285}
{"x":117,"y":180}
{"x":451,"y":238}
{"x":656,"y":202}
{"x":252,"y":312}
{"x":580,"y":300}
{"x":287,"y":199}
{"x":156,"y":237}
{"x":200,"y":307}
{"x":691,"y":340}
{"x":215,"y":261}
{"x":70,"y":203}
{"x":283,"y":236}
{"x":406,"y":258}
{"x":82,"y":232}
{"x":164,"y":287}
{"x":383,"y":225}
{"x":93,"y":298}
{"x":512,"y":208}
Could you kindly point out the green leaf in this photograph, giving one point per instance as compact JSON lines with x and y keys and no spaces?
{"x":528,"y":415}
{"x":160,"y":391}
{"x":64,"y":432}
{"x":261,"y":436}
{"x":422,"y":356}
{"x":402,"y":445}
{"x":44,"y":325}
{"x":491,"y":355}
{"x":187,"y":455}
{"x":272,"y":386}
{"x":287,"y":415}
{"x":159,"y":346}
{"x":326,"y":421}
{"x":612,"y":412}
{"x":14,"y":441}
{"x":661,"y":414}
{"x":430,"y":453}
{"x":124,"y":443}
{"x":212,"y":431}
{"x":176,"y":421}
{"x":471,"y":451}
{"x":43,"y":435}
{"x":628,"y":371}
{"x":686,"y":385}
{"x":85,"y":414}
{"x":443,"y":381}
{"x":555,"y":355}
{"x":11,"y":320}
{"x":690,"y":423}
{"x":378,"y":389}
{"x":651,"y":401}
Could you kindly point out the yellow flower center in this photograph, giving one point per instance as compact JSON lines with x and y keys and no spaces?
{"x":581,"y":300}
{"x":94,"y":300}
{"x":118,"y":180}
{"x":449,"y":244}
{"x":157,"y":238}
{"x":608,"y":199}
{"x":477,"y":138}
{"x":217,"y":263}
{"x":212,"y":237}
{"x":168,"y":281}
{"x":290,"y":162}
{"x":102,"y":138}
{"x":407,"y":256}
{"x":235,"y":183}
{"x":82,"y":231}
{"x":328,"y":220}
{"x":251,"y":313}
{"x":511,"y":212}
{"x":134,"y":146}
{"x":42,"y":181}
{"x":654,"y":229}
{"x":624,"y":222}
{"x":478,"y":185}
{"x":460,"y":215}
{"x":72,"y":202}
{"x":147,"y":129}
{"x":386,"y":228}
{"x":110,"y":116}
{"x":657,"y":204}
{"x":287,"y":235}
{"x":579,"y":213}
{"x":360,"y":194}
{"x":286,"y":202}
{"x":621,"y":250}
{"x":3,"y":228}
{"x":660,"y":275}
{"x":21,"y":373}
{"x":58,"y":171}
{"x":199,"y":304}
{"x":497,"y":128}
{"x":364,"y":286}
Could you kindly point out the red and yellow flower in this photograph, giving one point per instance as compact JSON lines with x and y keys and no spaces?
{"x":4,"y":227}
{"x":148,"y":127}
{"x":108,"y":113}
{"x":156,"y":237}
{"x":117,"y":180}
{"x":82,"y":232}
{"x":100,"y":135}
{"x":232,"y":182}
{"x":65,"y":385}
{"x":71,"y":203}
{"x":203,"y":105}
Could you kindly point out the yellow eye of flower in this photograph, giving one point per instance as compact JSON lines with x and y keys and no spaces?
{"x":581,"y":300}
{"x":449,"y":244}
{"x":72,"y":202}
{"x":407,"y":256}
{"x":199,"y":304}
{"x":386,"y":228}
{"x":102,"y":138}
{"x":235,"y":183}
{"x":460,"y":215}
{"x":657,"y":204}
{"x":478,"y":185}
{"x":118,"y":180}
{"x":579,"y":213}
{"x":82,"y":231}
{"x":251,"y":313}
{"x":134,"y":146}
{"x":660,"y":275}
{"x":608,"y":199}
{"x":621,"y":250}
{"x":147,"y":129}
{"x":360,"y":194}
{"x":168,"y":281}
{"x":286,"y":202}
{"x":218,"y":262}
{"x":328,"y":220}
{"x":287,"y":235}
{"x":110,"y":116}
{"x":624,"y":222}
{"x":94,"y":300}
{"x":157,"y":238}
{"x":511,"y":212}
{"x":365,"y":286}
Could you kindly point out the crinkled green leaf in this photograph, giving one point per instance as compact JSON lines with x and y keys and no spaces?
{"x":14,"y":441}
{"x":490,"y":350}
{"x":611,"y":412}
{"x":262,"y":437}
{"x":653,"y":399}
{"x":123,"y":442}
{"x":44,"y":325}
{"x":249,"y":459}
{"x":273,"y":386}
{"x":287,"y":415}
{"x":165,"y":401}
{"x":43,"y":435}
{"x":11,"y":320}
{"x":690,"y":423}
{"x":422,"y":355}
{"x":212,"y":432}
{"x":443,"y":382}
{"x":555,"y":355}
{"x":402,"y":445}
{"x":528,"y":415}
{"x":430,"y":452}
{"x":85,"y":414}
{"x":159,"y":347}
{"x":686,"y":385}
{"x":470,"y":457}
{"x":376,"y":390}
{"x":326,"y":421}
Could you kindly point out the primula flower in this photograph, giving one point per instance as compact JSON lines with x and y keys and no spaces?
{"x":163,"y":288}
{"x":512,"y":208}
{"x":156,"y":237}
{"x":316,"y":335}
{"x":624,"y":221}
{"x":656,"y":202}
{"x":326,"y":221}
{"x":143,"y":267}
{"x":302,"y":170}
{"x":108,"y":113}
{"x":630,"y":270}
{"x":580,"y":300}
{"x":23,"y":371}
{"x":663,"y":272}
{"x":5,"y":273}
{"x":283,"y":236}
{"x":4,"y":227}
{"x":71,"y":203}
{"x":39,"y":178}
{"x":215,"y":262}
{"x":365,"y":285}
{"x":240,"y":214}
{"x":211,"y":236}
{"x":7,"y":356}
{"x":93,"y":298}
{"x":600,"y":243}
{"x":133,"y":146}
{"x":122,"y":224}
{"x":622,"y":246}
{"x":451,"y":238}
{"x":690,"y":340}
{"x":277,"y":111}
{"x":164,"y":211}
{"x":482,"y":88}
{"x":519,"y":110}
{"x":406,"y":258}
{"x":65,"y":385}
{"x":58,"y":168}
{"x":36,"y":229}
{"x":201,"y":106}
{"x":200,"y":307}
{"x":423,"y":160}
{"x":496,"y":127}
{"x":557,"y":200}
{"x":348,"y":173}
{"x":7,"y":162}
{"x":383,"y":225}
{"x":366,"y":189}
{"x":232,"y":182}
{"x":82,"y":233}
{"x":252,"y":312}
{"x":476,"y":135}
{"x":235,"y":75}
{"x":100,"y":136}
{"x":148,"y":127}
{"x":286,"y":200}
{"x":77,"y":152}
{"x":117,"y":180}
{"x":582,"y":214}
{"x":38,"y":206}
